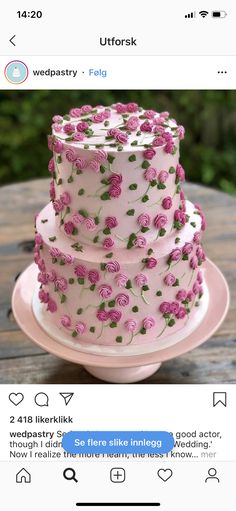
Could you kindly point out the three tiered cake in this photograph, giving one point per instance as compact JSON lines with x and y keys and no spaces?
{"x":118,"y":247}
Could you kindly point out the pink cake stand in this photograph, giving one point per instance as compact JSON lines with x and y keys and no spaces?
{"x":123,"y":369}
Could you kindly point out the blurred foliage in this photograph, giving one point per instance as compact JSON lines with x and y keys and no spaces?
{"x":208,"y":151}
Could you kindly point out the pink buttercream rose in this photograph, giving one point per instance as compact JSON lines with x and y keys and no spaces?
{"x":42,"y":278}
{"x":86,"y":109}
{"x":113,"y":266}
{"x":102,"y":315}
{"x":120,"y":108}
{"x":78,"y":137}
{"x":131,"y":325}
{"x":160,"y":221}
{"x":141,"y":280}
{"x":200,"y":277}
{"x":121,"y":280}
{"x":65,"y":198}
{"x":174,"y":307}
{"x":66,"y":321}
{"x":144,"y":220}
{"x":107,"y":243}
{"x":100,"y":155}
{"x":149,"y":114}
{"x":196,"y":287}
{"x":140,"y":242}
{"x":181,"y":295}
{"x":167,"y":203}
{"x":180,"y":132}
{"x":146,"y":127}
{"x":114,"y":191}
{"x":38,"y":239}
{"x":180,"y":172}
{"x":158,"y":141}
{"x":75,"y":112}
{"x":197,"y":238}
{"x":69,"y":128}
{"x":80,"y":327}
{"x":149,"y":153}
{"x":151,"y":263}
{"x":93,"y":276}
{"x":163,"y":176}
{"x":52,"y":306}
{"x":169,"y":279}
{"x":67,"y":258}
{"x":94,"y":165}
{"x":61,"y":284}
{"x":52,"y":191}
{"x":41,"y":265}
{"x":54,"y":252}
{"x":105,"y":291}
{"x":51,"y":276}
{"x":111,"y":222}
{"x":57,"y":118}
{"x":68,"y":228}
{"x":97,"y":118}
{"x":200,"y":254}
{"x":122,"y":299}
{"x":148,"y":323}
{"x":58,"y":206}
{"x":80,"y":163}
{"x":132,"y":123}
{"x":82,"y":126}
{"x":70,"y":155}
{"x":58,"y":146}
{"x":193,"y":262}
{"x":114,"y":315}
{"x":165,"y":308}
{"x":89,"y":224}
{"x":80,"y":271}
{"x":181,"y":313}
{"x":112,"y":132}
{"x":180,"y":216}
{"x":43,"y":296}
{"x":175,"y":254}
{"x":132,"y":107}
{"x":187,"y":248}
{"x":115,"y":179}
{"x":150,"y":174}
{"x":190,"y":296}
{"x":51,"y":165}
{"x":78,"y":218}
{"x":121,"y":137}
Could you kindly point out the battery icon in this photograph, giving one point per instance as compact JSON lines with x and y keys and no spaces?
{"x":219,"y":14}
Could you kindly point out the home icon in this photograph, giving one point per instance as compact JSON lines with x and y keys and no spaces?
{"x":23,"y":476}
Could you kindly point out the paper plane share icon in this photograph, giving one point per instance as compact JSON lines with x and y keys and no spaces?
{"x":67,"y":396}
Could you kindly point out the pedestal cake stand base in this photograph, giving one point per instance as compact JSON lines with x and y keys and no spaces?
{"x":121,"y":369}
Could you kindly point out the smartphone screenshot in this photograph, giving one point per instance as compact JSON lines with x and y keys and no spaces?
{"x":118,"y":256}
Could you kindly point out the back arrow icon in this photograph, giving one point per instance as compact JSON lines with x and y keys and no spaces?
{"x":11,"y":40}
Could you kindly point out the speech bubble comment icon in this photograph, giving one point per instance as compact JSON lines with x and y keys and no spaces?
{"x":41,"y":399}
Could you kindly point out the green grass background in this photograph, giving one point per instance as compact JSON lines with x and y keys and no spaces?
{"x":208,"y":152}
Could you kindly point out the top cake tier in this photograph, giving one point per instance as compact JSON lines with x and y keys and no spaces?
{"x":116,"y":175}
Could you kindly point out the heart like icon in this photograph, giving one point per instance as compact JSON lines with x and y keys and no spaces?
{"x":165,"y":473}
{"x":16,"y":399}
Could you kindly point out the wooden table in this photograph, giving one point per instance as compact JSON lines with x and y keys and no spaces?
{"x":21,"y":361}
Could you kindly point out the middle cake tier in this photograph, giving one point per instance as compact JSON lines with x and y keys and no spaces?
{"x":121,"y":296}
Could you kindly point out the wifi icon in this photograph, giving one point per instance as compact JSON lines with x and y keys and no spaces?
{"x":203,"y":14}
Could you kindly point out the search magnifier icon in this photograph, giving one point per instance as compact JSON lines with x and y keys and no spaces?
{"x":70,"y":475}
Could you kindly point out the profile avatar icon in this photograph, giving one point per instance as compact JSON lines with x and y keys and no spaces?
{"x":16,"y":72}
{"x":212,"y":475}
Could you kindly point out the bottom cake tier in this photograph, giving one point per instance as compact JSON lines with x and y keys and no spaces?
{"x":124,"y":297}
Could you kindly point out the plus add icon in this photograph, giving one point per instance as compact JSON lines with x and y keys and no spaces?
{"x":117,"y":475}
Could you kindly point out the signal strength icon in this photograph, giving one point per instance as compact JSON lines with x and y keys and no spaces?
{"x":203,"y":14}
{"x":190,"y":15}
